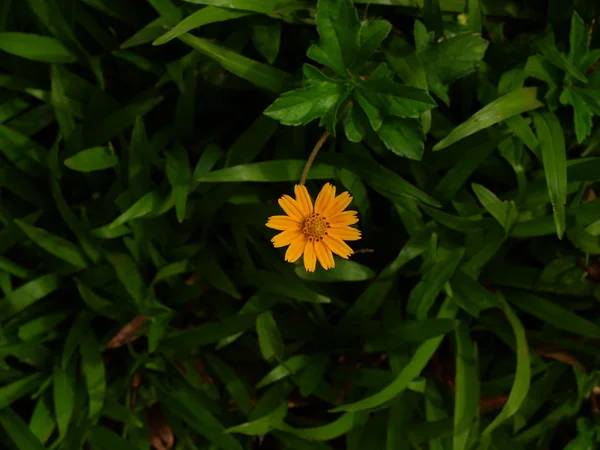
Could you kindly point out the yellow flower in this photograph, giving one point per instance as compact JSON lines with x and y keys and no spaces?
{"x":316,"y":231}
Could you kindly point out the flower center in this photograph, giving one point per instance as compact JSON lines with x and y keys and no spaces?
{"x":315,"y":227}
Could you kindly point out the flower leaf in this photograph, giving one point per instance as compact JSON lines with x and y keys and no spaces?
{"x":301,"y":106}
{"x":371,"y":35}
{"x":404,"y":137}
{"x":338,"y":27}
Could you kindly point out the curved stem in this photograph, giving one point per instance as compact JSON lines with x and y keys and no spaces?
{"x":312,"y":156}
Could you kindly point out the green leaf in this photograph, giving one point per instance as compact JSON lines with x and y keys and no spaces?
{"x":374,"y":115}
{"x":138,"y":164}
{"x":60,"y":102}
{"x":385,"y":181}
{"x":582,"y":116}
{"x":404,"y":137}
{"x":263,"y":425}
{"x":35,"y":47}
{"x":202,"y":17}
{"x":92,"y":367}
{"x":411,"y":370}
{"x":102,"y":129}
{"x":504,"y":212}
{"x":269,"y":338}
{"x":450,"y":59}
{"x":233,"y":384}
{"x":259,"y":6}
{"x":54,"y":20}
{"x":373,"y":296}
{"x":179,"y":174}
{"x":209,"y":333}
{"x":57,"y":246}
{"x":394,"y":99}
{"x":554,"y":158}
{"x":216,"y":276}
{"x":269,"y":171}
{"x":78,"y":329}
{"x":338,"y":27}
{"x":64,"y":397}
{"x":466,"y":404}
{"x":17,"y":430}
{"x":23,"y":152}
{"x":289,"y":287}
{"x":344,"y":270}
{"x":457,"y":223}
{"x":370,"y":36}
{"x":554,"y":314}
{"x":129,"y":276}
{"x":148,"y":33}
{"x":474,"y":12}
{"x":400,"y":421}
{"x":511,"y":104}
{"x":409,"y":332}
{"x":519,"y":126}
{"x":12,"y":392}
{"x":301,"y":106}
{"x":92,"y":159}
{"x":105,"y":438}
{"x":291,"y":366}
{"x":423,"y":295}
{"x":330,"y":118}
{"x":83,"y":234}
{"x":539,"y":67}
{"x":96,"y":303}
{"x":355,"y":124}
{"x":266,"y":36}
{"x":262,"y":75}
{"x":197,"y":417}
{"x":339,"y":427}
{"x":474,"y":151}
{"x":42,"y":423}
{"x":142,"y":208}
{"x":170,"y":270}
{"x":578,"y":40}
{"x":522,"y":375}
{"x":546,"y":45}
{"x":27,"y":295}
{"x":309,"y":379}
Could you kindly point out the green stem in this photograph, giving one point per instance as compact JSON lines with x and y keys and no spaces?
{"x":312,"y":157}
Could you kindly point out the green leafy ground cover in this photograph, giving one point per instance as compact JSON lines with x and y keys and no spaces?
{"x":144,"y":144}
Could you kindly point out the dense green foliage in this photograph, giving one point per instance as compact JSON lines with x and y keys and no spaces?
{"x":144,"y":144}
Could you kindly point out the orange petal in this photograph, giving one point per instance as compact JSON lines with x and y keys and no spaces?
{"x":303,"y":199}
{"x":310,"y":259}
{"x":286,"y":237}
{"x":329,"y":256}
{"x":343,"y":219}
{"x":322,"y":251}
{"x":345,"y":233}
{"x":338,"y":247}
{"x":291,"y":207}
{"x":337,"y":205}
{"x":325,"y":196}
{"x":283,"y":223}
{"x":296,"y":248}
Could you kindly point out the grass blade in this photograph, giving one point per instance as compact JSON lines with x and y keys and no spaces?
{"x":522,"y":376}
{"x":554,"y":158}
{"x":509,"y":105}
{"x":412,"y":370}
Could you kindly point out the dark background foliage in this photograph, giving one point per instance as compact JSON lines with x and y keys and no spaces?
{"x":142,"y":303}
